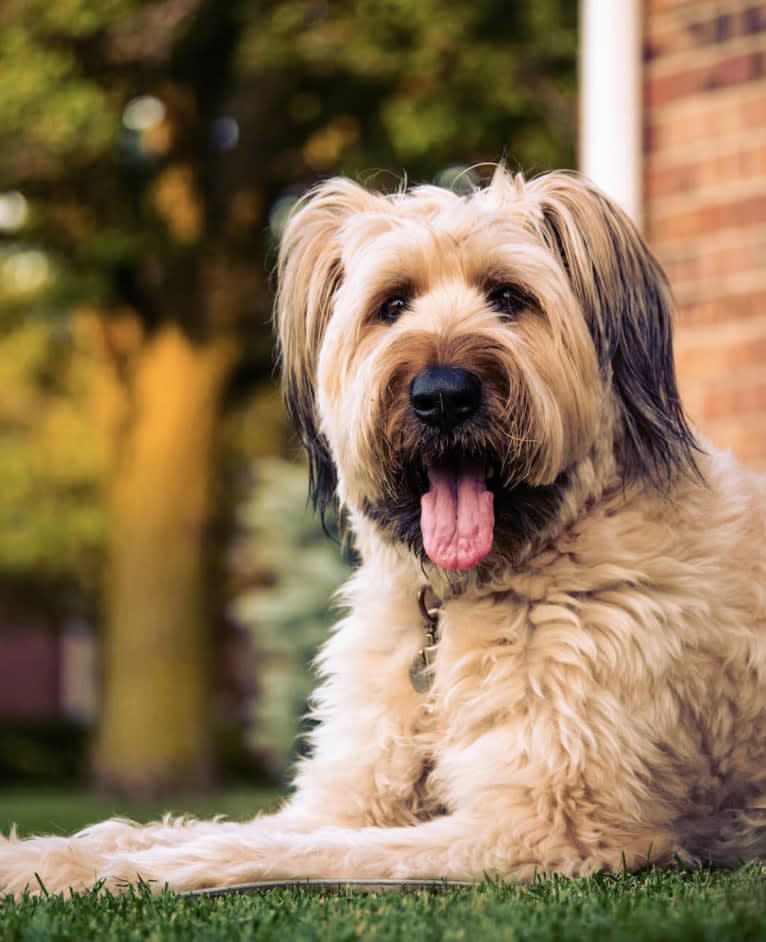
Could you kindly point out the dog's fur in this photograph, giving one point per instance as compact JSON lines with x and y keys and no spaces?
{"x":599,"y":694}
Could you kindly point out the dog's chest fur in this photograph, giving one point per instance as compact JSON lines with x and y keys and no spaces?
{"x":588,"y":673}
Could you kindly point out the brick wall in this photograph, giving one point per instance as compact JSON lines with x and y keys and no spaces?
{"x":705,"y":205}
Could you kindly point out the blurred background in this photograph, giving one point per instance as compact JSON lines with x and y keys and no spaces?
{"x":163,"y":584}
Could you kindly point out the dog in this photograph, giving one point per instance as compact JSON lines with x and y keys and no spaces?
{"x":553,"y":657}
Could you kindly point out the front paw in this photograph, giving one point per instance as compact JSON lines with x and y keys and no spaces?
{"x":41,"y":865}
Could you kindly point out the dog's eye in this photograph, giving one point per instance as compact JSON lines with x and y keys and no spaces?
{"x":508,"y":299}
{"x":392,"y":307}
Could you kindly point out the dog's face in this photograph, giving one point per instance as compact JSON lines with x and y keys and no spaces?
{"x":449,"y":360}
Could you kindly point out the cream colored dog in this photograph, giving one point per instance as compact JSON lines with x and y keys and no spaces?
{"x":554,"y":657}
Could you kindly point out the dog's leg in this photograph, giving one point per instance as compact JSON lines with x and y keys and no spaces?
{"x":348,"y":799}
{"x":448,"y":847}
{"x":363,"y":771}
{"x":460,"y":847}
{"x":59,"y":863}
{"x":77,"y":862}
{"x":328,"y":793}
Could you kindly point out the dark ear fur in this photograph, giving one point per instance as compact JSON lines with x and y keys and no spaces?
{"x":309,"y":273}
{"x":628,"y":305}
{"x":323,"y":478}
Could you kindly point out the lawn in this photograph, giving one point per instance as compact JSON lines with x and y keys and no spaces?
{"x":709,"y":905}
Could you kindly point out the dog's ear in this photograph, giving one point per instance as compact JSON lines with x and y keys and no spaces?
{"x":628,"y":305}
{"x":309,"y":274}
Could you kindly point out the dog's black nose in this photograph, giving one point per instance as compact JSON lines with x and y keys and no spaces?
{"x":445,"y":396}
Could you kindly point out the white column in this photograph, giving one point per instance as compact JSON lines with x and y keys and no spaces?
{"x":610,"y":99}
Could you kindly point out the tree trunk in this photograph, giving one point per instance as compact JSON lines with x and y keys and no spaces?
{"x":154,"y":733}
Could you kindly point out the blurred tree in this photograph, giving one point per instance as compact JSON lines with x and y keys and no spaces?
{"x":152,"y":143}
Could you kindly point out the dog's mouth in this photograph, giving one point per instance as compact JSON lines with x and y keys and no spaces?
{"x":458,"y":505}
{"x":457,"y":519}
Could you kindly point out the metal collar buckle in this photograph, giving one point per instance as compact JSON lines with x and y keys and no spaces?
{"x":421,"y":668}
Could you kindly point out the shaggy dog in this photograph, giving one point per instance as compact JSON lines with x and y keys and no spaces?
{"x":554,"y":657}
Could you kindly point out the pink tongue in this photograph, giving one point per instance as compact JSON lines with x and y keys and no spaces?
{"x":457,"y":519}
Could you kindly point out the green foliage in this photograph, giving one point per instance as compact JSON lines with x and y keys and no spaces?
{"x":51,"y":461}
{"x":296,"y":569}
{"x":54,"y":108}
{"x":653,"y":906}
{"x":397,"y":84}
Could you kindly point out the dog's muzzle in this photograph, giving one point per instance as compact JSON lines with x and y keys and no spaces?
{"x":456,"y":517}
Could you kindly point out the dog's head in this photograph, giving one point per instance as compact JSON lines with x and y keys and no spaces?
{"x":449,"y":360}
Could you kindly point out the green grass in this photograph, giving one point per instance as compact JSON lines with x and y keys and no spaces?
{"x":707,"y":905}
{"x":653,"y":906}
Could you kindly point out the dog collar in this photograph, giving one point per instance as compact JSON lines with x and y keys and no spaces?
{"x":421,"y":670}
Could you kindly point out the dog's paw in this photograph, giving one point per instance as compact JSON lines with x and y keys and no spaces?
{"x":42,"y":865}
{"x":117,"y":854}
